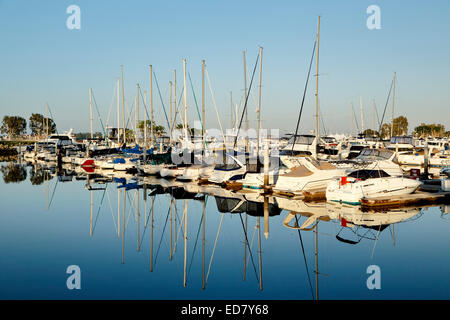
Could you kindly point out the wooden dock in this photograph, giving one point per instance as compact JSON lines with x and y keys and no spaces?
{"x":416,"y":199}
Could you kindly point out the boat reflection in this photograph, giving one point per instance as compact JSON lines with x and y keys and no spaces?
{"x":158,"y":216}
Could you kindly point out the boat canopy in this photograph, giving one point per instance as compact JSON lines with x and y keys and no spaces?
{"x":118,"y":160}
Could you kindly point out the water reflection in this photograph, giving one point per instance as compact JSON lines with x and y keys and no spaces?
{"x":174,"y":223}
{"x":13,"y":172}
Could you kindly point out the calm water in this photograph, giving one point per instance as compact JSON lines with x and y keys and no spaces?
{"x":47,"y":224}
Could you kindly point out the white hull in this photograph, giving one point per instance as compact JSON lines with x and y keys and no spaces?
{"x":196,"y":172}
{"x":170,"y":172}
{"x":354,"y":190}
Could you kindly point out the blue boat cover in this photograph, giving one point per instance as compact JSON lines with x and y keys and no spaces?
{"x":119,"y":160}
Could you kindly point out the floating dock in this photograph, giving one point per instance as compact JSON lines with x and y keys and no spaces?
{"x":416,"y":199}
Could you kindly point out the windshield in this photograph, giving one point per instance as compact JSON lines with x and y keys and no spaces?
{"x":402,"y":140}
{"x":375,"y":153}
{"x":301,"y":140}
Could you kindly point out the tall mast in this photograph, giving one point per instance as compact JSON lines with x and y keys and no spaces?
{"x":362,"y":115}
{"x":393,"y":100}
{"x":90,"y":111}
{"x":259,"y":100}
{"x":203,"y":103}
{"x":245,"y":98}
{"x":46,"y":120}
{"x":151,"y":105}
{"x":170,"y":113}
{"x":123,"y":108}
{"x":118,"y":111}
{"x":185,"y":100}
{"x":145,"y":132}
{"x":231,"y":109}
{"x":137,"y":112}
{"x":317,"y":84}
{"x":174,"y":95}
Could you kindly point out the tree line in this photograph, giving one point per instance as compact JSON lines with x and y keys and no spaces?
{"x":14,"y":126}
{"x":401,"y":129}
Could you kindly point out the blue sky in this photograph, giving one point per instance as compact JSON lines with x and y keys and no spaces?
{"x":43,"y":61}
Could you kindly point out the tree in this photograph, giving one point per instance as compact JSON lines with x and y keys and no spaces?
{"x":38,"y":124}
{"x":370,"y":133}
{"x":13,"y":126}
{"x":13,"y":172}
{"x":434,"y":130}
{"x":400,"y":126}
{"x":385,"y":131}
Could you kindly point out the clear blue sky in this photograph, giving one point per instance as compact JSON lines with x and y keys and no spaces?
{"x":43,"y":61}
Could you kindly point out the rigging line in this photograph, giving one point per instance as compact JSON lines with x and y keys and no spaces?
{"x":214,"y":248}
{"x":181,"y":224}
{"x":100,"y":118}
{"x":160,"y":97}
{"x":304,"y":258}
{"x":195,"y":100}
{"x":198,"y":111}
{"x":214,"y":103}
{"x":147,"y":217}
{"x":54,"y":189}
{"x":246,"y":101}
{"x":129,"y":116}
{"x":384,"y":112}
{"x":131,"y":207}
{"x":112,"y":213}
{"x":98,"y":211}
{"x":162,"y":234}
{"x":111,"y":105}
{"x":356,"y":120}
{"x":250,"y":244}
{"x":323,"y":123}
{"x":176,"y":110}
{"x":376,"y":112}
{"x":249,"y":249}
{"x":376,"y":240}
{"x":146,"y":112}
{"x":195,"y":246}
{"x":304,"y":94}
{"x":51,"y":115}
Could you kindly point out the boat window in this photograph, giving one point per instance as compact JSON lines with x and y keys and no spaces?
{"x":290,"y":152}
{"x":367,"y":174}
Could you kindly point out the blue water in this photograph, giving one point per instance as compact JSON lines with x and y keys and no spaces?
{"x":37,"y":244}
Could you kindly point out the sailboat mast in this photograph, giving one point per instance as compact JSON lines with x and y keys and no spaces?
{"x":393,"y":100}
{"x":174,"y":98}
{"x":317,"y":84}
{"x":118,"y":112}
{"x":203,"y":103}
{"x":259,"y":101}
{"x":123,"y":108}
{"x":137,"y":112}
{"x":145,"y":127}
{"x":170,"y":113}
{"x":231,"y":109}
{"x":151,"y":105}
{"x":90,"y":112}
{"x":245,"y":99}
{"x":185,"y":100}
{"x":362,"y":115}
{"x":46,"y":120}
